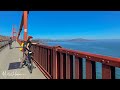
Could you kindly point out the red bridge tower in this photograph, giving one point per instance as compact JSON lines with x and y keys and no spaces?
{"x":14,"y":33}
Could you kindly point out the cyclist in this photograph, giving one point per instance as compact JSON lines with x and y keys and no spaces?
{"x":26,"y":49}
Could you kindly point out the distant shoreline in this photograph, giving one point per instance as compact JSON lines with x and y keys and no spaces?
{"x":74,"y":40}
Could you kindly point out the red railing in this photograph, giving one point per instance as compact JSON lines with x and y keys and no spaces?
{"x":57,"y":63}
{"x":3,"y":43}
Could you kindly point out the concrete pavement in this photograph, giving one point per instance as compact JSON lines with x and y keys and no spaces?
{"x":10,"y":59}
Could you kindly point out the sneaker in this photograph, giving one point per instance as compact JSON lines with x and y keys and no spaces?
{"x":34,"y":67}
{"x":21,"y":65}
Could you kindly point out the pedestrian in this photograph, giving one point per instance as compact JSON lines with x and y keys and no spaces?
{"x":10,"y":43}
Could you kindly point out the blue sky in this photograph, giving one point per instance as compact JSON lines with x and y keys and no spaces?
{"x":65,"y":24}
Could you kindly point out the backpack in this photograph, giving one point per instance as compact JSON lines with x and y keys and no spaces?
{"x":21,"y":49}
{"x":24,"y":46}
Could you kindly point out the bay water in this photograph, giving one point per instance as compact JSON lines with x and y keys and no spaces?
{"x":102,"y":47}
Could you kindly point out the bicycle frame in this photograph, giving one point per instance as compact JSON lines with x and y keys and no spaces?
{"x":28,"y":61}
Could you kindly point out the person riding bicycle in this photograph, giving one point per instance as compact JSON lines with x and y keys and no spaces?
{"x":26,"y":49}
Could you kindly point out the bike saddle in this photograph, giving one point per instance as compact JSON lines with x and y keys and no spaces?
{"x":30,"y":52}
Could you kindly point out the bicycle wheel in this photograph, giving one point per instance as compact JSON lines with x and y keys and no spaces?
{"x":30,"y":67}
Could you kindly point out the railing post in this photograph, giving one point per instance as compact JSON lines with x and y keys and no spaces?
{"x":40,"y":55}
{"x":62,"y":65}
{"x":55,"y":62}
{"x":69,"y":67}
{"x":37,"y":53}
{"x":108,"y":72}
{"x":78,"y":68}
{"x":48,"y":60}
{"x":90,"y":69}
{"x":51,"y":62}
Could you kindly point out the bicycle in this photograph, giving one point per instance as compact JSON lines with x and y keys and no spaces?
{"x":28,"y":61}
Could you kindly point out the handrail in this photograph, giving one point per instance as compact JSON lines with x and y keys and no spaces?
{"x":57,"y":62}
{"x":3,"y":43}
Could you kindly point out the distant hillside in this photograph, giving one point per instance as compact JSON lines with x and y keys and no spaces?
{"x":38,"y":41}
{"x":78,"y":40}
{"x":63,"y":40}
{"x":4,"y":37}
{"x":50,"y":40}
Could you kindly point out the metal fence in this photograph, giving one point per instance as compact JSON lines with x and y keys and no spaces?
{"x":57,"y":63}
{"x":3,"y":43}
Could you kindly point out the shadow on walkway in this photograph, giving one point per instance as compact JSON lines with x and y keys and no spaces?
{"x":14,"y":65}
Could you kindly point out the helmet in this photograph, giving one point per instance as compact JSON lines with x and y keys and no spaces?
{"x":30,"y":37}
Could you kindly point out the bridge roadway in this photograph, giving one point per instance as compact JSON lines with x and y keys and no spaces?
{"x":9,"y":65}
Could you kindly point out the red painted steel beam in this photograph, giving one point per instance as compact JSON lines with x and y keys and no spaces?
{"x":58,"y":65}
{"x":47,"y":75}
{"x":35,"y":52}
{"x":90,"y":63}
{"x":23,"y":22}
{"x":45,"y":59}
{"x":36,"y":60}
{"x":93,"y":57}
{"x":55,"y":65}
{"x":13,"y":33}
{"x":108,"y":72}
{"x":90,"y":69}
{"x":69,"y":67}
{"x":51,"y":62}
{"x":40,"y":55}
{"x":61,"y":66}
{"x":78,"y":68}
{"x":21,"y":25}
{"x":25,"y":13}
{"x":48,"y":63}
{"x":64,"y":65}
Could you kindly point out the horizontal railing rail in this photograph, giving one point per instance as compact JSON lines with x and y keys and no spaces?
{"x":3,"y":43}
{"x":60,"y":63}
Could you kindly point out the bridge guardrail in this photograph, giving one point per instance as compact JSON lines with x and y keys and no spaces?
{"x":57,"y":63}
{"x":3,"y":43}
